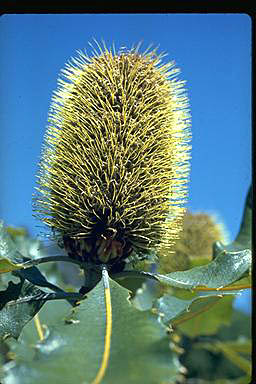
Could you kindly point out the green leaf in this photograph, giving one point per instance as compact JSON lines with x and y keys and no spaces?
{"x":240,"y":346}
{"x":192,"y":313}
{"x":146,"y":295}
{"x":8,"y":266}
{"x":225,"y":269}
{"x":244,"y":237}
{"x":10,"y":258}
{"x":34,"y":276}
{"x":234,"y":357}
{"x":18,"y":304}
{"x":4,"y":350}
{"x":200,"y":315}
{"x":228,"y":351}
{"x":207,"y":318}
{"x":51,"y":314}
{"x":72,"y":351}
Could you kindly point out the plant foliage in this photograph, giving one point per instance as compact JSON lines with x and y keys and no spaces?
{"x":157,"y":330}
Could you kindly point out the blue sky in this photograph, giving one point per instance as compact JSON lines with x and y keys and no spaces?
{"x":213,"y":52}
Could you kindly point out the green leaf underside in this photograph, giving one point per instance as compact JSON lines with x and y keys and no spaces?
{"x":17,"y":308}
{"x":34,"y":276}
{"x":225,"y":269}
{"x":175,"y":311}
{"x":72,"y":352}
{"x":205,"y":318}
{"x":188,"y":310}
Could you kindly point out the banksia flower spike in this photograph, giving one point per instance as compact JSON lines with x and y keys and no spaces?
{"x":200,"y":232}
{"x":114,"y":166}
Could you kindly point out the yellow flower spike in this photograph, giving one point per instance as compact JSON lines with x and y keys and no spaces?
{"x":200,"y":231}
{"x":114,"y":167}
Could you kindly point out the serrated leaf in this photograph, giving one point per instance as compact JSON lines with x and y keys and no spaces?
{"x":225,"y":269}
{"x":51,"y":314}
{"x":206,"y":319}
{"x":140,"y":351}
{"x":17,"y":307}
{"x":195,"y":317}
{"x":11,"y":260}
{"x":33,"y":275}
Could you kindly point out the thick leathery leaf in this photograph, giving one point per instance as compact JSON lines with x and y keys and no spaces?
{"x":33,"y":275}
{"x":225,"y":269}
{"x":72,"y":352}
{"x":192,"y":316}
{"x":18,"y":304}
{"x":205,"y":317}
